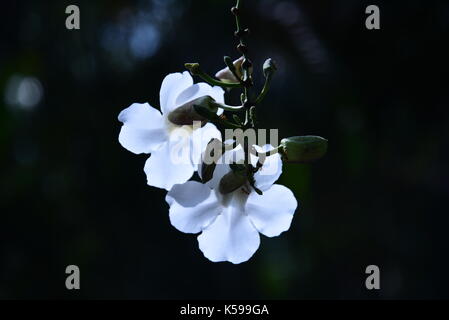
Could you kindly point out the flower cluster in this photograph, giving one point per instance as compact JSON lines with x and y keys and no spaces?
{"x":236,"y":197}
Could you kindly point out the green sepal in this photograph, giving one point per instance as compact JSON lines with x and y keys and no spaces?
{"x":213,"y":152}
{"x":232,"y":181}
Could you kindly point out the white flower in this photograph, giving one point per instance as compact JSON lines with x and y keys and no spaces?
{"x":175,"y":150}
{"x":230,"y":223}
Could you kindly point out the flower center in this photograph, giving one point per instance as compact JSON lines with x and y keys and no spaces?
{"x":172,"y":128}
{"x":237,"y":197}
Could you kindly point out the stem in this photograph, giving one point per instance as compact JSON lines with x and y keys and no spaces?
{"x":227,"y":107}
{"x":264,"y":90}
{"x":266,"y":153}
{"x":195,"y":70}
{"x":225,"y":123}
{"x":215,"y":82}
{"x":230,"y":64}
{"x":246,"y":79}
{"x":237,"y":17}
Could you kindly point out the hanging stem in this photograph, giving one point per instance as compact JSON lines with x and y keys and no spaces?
{"x":247,"y":77}
{"x":264,"y":90}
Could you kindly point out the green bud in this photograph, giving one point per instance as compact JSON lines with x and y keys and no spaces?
{"x":194,"y":68}
{"x":269,"y":68}
{"x":303,"y":149}
{"x":232,"y":181}
{"x":187,"y":113}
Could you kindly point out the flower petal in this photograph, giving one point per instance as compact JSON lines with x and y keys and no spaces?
{"x":231,"y":237}
{"x":171,"y":87}
{"x":169,"y":165}
{"x":199,"y":90}
{"x":226,"y":75}
{"x":270,"y":171}
{"x":193,"y":206}
{"x":143,"y":128}
{"x":272,"y":213}
{"x":220,"y":171}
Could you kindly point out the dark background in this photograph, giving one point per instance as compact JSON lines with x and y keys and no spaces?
{"x":70,"y":194}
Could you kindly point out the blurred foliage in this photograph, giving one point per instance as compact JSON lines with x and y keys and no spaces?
{"x":70,"y":194}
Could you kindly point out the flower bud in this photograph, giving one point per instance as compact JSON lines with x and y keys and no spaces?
{"x":241,"y":33}
{"x":243,"y":49}
{"x":186,"y":114}
{"x":235,"y":11}
{"x":226,"y":74}
{"x":269,"y":68}
{"x":303,"y":149}
{"x":194,"y":68}
{"x":232,"y":181}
